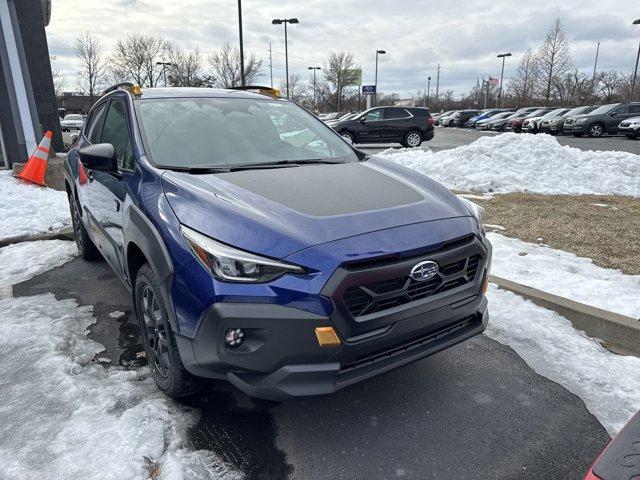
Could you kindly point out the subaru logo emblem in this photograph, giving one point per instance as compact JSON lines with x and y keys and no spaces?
{"x":424,"y":271}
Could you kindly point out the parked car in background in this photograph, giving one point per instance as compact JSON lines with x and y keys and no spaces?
{"x":331,"y":116}
{"x":409,"y":126}
{"x":515,"y":124}
{"x":485,"y":114}
{"x":438,"y":118}
{"x":630,"y":127}
{"x":485,"y":123}
{"x":288,"y":265}
{"x":72,"y":121}
{"x":460,"y":118}
{"x":532,"y":124}
{"x":447,"y":121}
{"x":553,"y":124}
{"x":604,"y":119}
{"x":500,"y":125}
{"x":342,"y":118}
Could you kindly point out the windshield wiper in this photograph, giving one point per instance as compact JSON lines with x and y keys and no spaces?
{"x":281,"y":164}
{"x":198,"y":169}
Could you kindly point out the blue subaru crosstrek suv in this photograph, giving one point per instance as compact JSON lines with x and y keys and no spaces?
{"x":261,"y":248}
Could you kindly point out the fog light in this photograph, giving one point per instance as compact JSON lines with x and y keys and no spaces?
{"x":234,"y":337}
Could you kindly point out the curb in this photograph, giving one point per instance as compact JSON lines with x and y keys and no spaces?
{"x":608,"y":326}
{"x":63,"y":234}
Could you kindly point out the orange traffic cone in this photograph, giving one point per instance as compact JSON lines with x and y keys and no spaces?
{"x":36,"y":167}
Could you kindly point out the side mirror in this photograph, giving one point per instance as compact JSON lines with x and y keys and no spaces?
{"x":100,"y":157}
{"x":362,"y":119}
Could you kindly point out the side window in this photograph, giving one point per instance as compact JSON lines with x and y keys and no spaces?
{"x":620,"y":110}
{"x":395,"y":113}
{"x":116,"y":132}
{"x":373,"y":115}
{"x":635,"y":108}
{"x":94,"y":125}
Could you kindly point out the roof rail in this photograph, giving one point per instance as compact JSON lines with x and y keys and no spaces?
{"x":269,"y":91}
{"x":130,"y":87}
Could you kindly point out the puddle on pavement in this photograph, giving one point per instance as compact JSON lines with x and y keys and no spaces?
{"x":239,"y":430}
{"x":129,"y":342}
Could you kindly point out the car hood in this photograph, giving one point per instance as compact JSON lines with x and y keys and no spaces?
{"x":280,"y":211}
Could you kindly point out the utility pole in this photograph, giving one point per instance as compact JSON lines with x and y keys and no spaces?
{"x":271,"y":64}
{"x":315,"y":103}
{"x":241,"y":44}
{"x":595,"y":64}
{"x":438,"y":83}
{"x":635,"y":72}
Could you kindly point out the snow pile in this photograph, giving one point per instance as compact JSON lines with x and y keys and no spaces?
{"x":27,"y":209}
{"x":63,"y":417}
{"x":526,"y":163}
{"x":609,"y":384}
{"x":22,"y":261}
{"x":565,"y":274}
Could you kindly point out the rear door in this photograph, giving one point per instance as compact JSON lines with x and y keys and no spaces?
{"x":397,"y":122}
{"x":107,"y":190}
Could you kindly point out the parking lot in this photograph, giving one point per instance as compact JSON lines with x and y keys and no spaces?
{"x":448,"y":137}
{"x":474,"y":411}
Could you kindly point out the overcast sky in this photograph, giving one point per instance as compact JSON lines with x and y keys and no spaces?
{"x":462,"y":36}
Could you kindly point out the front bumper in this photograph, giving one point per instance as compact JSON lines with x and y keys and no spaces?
{"x":281,"y":358}
{"x":575,"y":128}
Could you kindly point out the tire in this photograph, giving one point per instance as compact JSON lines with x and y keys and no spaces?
{"x":86,"y":248}
{"x":412,"y":139}
{"x":163,"y":357}
{"x":596,"y":130}
{"x":632,"y":136}
{"x":348,"y":136}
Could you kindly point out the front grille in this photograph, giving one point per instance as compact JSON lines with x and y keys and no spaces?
{"x":409,"y":345}
{"x":385,"y":294}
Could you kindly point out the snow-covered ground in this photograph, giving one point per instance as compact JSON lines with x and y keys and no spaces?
{"x":565,"y":274}
{"x":524,"y":162}
{"x":63,"y":416}
{"x":21,"y":261}
{"x":27,"y":209}
{"x":609,"y":384}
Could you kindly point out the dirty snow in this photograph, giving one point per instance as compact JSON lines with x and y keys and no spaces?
{"x":21,"y":261}
{"x":609,"y":384}
{"x":565,"y":274}
{"x":524,"y":162}
{"x":27,"y":209}
{"x":63,"y":416}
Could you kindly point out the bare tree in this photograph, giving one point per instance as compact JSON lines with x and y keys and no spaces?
{"x":226,"y":67}
{"x":89,"y":51}
{"x":552,"y":60}
{"x":59,"y":82}
{"x":609,"y":86}
{"x":298,"y":89}
{"x":574,"y":88}
{"x":339,"y":72}
{"x":186,"y":68}
{"x":135,"y":58}
{"x":521,"y":84}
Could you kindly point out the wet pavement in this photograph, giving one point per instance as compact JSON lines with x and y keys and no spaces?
{"x":473,"y":411}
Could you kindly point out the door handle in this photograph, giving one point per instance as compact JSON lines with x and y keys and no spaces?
{"x":117,"y":205}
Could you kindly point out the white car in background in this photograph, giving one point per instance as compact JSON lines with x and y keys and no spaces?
{"x":630,"y":127}
{"x":533,"y":124}
{"x":73,"y":121}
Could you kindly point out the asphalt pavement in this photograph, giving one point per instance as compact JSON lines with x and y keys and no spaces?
{"x":473,"y":411}
{"x":447,"y":137}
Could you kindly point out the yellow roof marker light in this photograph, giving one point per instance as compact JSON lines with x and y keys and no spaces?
{"x":268,"y":91}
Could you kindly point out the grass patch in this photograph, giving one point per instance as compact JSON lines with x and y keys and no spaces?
{"x":603,"y":228}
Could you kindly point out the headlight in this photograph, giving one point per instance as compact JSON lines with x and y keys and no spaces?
{"x":229,"y":264}
{"x":581,"y":120}
{"x":475,"y":210}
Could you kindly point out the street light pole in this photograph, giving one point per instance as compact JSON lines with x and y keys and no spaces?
{"x":503,"y":56}
{"x":280,"y":21}
{"x":315,"y":103}
{"x":375,"y":95}
{"x":426,"y":101}
{"x":164,"y":70}
{"x":635,"y":71}
{"x":241,"y":43}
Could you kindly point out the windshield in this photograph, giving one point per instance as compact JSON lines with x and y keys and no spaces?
{"x":73,"y":117}
{"x":498,"y":116}
{"x":604,"y":109}
{"x":555,"y":113}
{"x":223,"y":132}
{"x":578,"y":111}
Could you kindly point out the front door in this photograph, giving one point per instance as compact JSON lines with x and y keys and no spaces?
{"x":369,"y":126}
{"x":615,"y":117}
{"x":107,"y":191}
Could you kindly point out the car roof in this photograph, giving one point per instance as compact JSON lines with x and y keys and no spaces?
{"x":192,"y":92}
